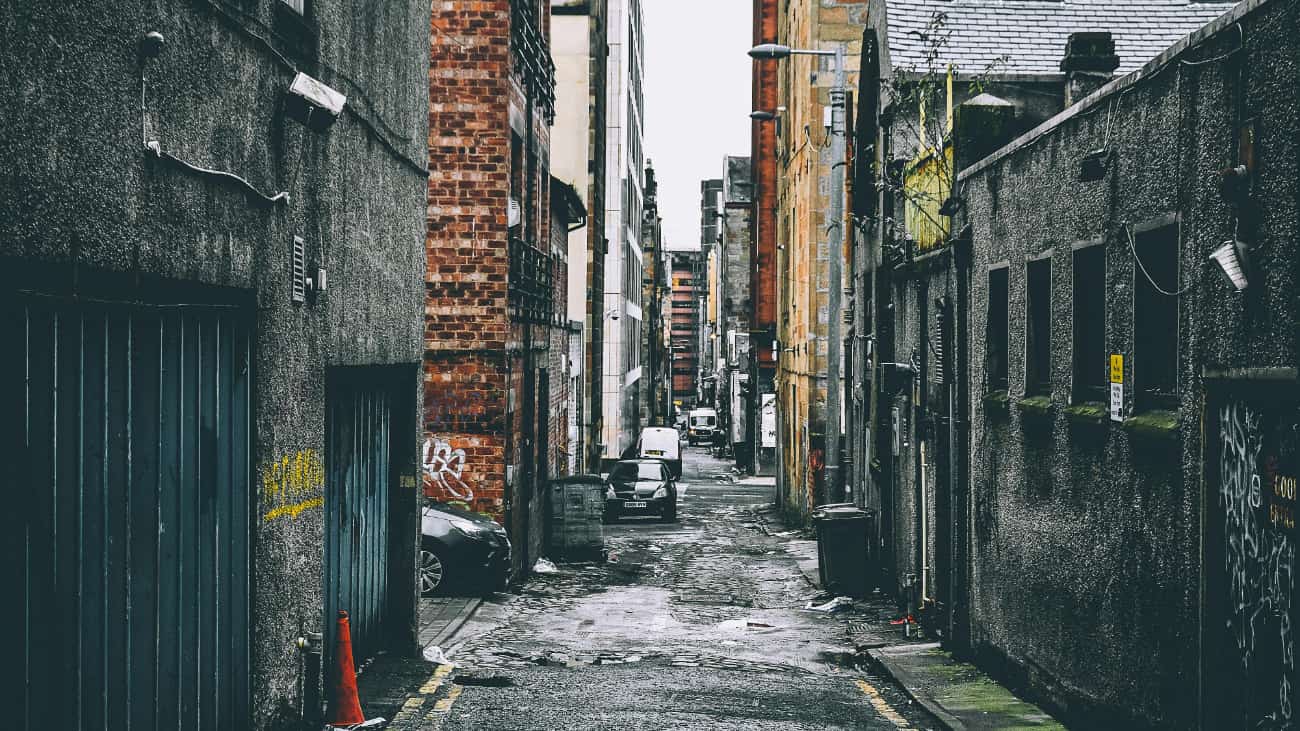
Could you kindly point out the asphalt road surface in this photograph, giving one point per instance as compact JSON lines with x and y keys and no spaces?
{"x":695,"y":625}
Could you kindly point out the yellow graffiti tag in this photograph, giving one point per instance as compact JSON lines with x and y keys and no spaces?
{"x":292,"y":484}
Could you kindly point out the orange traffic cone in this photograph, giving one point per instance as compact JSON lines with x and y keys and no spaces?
{"x":345,"y":707}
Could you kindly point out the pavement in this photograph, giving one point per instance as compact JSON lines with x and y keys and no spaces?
{"x":958,"y":694}
{"x":704,"y":623}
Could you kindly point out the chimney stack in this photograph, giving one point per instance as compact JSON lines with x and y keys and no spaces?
{"x":1089,"y":62}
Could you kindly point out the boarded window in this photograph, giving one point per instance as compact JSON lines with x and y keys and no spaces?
{"x":1155,"y":319}
{"x":1038,"y":327}
{"x":996,"y":338}
{"x":1089,"y":321}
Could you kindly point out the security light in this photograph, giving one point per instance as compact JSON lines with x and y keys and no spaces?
{"x":1232,"y":261}
{"x":313,"y":103}
{"x":1093,"y":166}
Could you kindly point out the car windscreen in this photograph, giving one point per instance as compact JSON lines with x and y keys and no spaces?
{"x":639,"y":471}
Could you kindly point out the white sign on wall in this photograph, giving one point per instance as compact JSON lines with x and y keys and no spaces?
{"x":768,"y":421}
{"x":1116,"y":387}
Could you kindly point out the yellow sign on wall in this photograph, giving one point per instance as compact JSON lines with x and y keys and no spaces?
{"x":1116,"y":368}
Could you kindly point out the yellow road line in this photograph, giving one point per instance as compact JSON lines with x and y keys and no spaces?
{"x":445,"y":704}
{"x":432,"y":686}
{"x":881,"y":705}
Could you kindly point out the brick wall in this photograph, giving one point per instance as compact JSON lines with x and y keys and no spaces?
{"x":467,"y":265}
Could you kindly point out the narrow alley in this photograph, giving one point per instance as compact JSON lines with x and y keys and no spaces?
{"x":695,"y":624}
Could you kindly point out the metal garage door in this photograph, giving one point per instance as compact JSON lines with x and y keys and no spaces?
{"x":358,"y":464}
{"x":132,"y":481}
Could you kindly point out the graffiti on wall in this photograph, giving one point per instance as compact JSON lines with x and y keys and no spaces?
{"x":444,"y":468}
{"x":292,"y":484}
{"x":1259,"y":554}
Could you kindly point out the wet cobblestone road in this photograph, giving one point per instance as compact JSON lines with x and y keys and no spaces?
{"x":697,"y":624}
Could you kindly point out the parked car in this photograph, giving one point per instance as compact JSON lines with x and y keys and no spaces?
{"x":640,"y":487}
{"x":461,"y":550}
{"x":702,"y":423}
{"x":661,"y":443}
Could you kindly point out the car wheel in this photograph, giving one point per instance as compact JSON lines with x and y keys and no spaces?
{"x":670,"y":513}
{"x":433,"y":571}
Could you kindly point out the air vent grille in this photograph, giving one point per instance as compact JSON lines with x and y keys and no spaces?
{"x":299,"y":268}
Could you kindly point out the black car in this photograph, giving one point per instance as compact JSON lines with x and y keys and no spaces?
{"x":461,"y":550}
{"x":641,"y":487}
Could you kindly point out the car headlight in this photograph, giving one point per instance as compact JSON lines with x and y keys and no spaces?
{"x":468,"y":527}
{"x":610,"y":494}
{"x":662,"y":492}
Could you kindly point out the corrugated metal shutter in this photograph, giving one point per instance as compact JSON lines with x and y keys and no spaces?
{"x":358,"y":470}
{"x":133,"y":546}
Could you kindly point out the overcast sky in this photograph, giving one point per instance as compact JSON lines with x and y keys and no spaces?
{"x":697,"y":101}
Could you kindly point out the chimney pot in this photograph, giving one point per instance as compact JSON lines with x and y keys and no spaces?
{"x":1089,"y":62}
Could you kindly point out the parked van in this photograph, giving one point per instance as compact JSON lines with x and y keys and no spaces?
{"x":662,"y":443}
{"x":701,"y":427}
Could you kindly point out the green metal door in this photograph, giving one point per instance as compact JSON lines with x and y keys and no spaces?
{"x":358,"y":473}
{"x":127,"y":457}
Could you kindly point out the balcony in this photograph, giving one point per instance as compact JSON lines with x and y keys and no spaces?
{"x":532,"y":283}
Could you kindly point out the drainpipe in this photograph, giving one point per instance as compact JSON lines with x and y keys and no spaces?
{"x":925,"y":538}
{"x":309,"y":645}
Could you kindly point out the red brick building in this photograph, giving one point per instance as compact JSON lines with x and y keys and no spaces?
{"x":763,"y":252}
{"x":493,"y":277}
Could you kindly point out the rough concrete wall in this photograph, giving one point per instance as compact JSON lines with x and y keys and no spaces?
{"x":1087,"y":534}
{"x":82,"y":194}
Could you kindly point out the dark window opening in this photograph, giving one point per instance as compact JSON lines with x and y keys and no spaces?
{"x":996,"y":337}
{"x":1155,"y":319}
{"x":1038,"y":327}
{"x":1090,"y":362}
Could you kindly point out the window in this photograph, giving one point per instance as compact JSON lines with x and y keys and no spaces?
{"x":1155,"y":319}
{"x":996,"y":331}
{"x":1038,"y":326}
{"x":1089,"y":294}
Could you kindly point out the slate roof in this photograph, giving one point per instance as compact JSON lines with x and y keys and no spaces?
{"x":1028,"y":36}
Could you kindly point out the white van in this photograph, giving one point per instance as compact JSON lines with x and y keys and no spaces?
{"x":662,"y":443}
{"x":703,"y":423}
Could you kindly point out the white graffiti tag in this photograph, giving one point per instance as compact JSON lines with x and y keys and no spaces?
{"x":442,"y":470}
{"x":1259,"y":559}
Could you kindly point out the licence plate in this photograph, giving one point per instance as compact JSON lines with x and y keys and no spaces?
{"x":633,"y":504}
{"x":655,"y":452}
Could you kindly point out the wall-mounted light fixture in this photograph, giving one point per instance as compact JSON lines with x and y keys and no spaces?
{"x":313,"y":103}
{"x":1093,"y":166}
{"x":1233,"y":263}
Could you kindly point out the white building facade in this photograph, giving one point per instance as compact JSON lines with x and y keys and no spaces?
{"x":624,"y":203}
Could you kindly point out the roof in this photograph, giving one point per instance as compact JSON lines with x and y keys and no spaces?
{"x":574,"y":210}
{"x":995,"y":37}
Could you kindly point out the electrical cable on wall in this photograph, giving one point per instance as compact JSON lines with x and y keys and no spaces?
{"x":1132,"y":246}
{"x":156,"y":148}
{"x":151,"y":45}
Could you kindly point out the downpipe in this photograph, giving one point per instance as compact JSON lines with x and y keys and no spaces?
{"x":310,"y":646}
